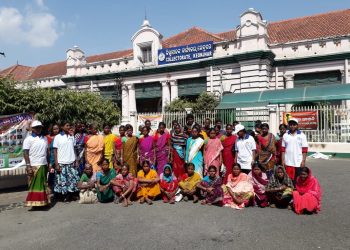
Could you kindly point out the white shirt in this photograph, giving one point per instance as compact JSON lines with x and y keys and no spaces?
{"x":244,"y":148}
{"x":65,"y":148}
{"x":37,"y":146}
{"x":293,"y":145}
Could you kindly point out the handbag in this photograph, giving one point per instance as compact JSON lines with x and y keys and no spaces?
{"x":88,"y":196}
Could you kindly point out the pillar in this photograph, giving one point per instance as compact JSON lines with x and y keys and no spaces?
{"x":174,"y":90}
{"x":125,"y":104}
{"x":132,"y":106}
{"x":165,"y":94}
{"x":289,"y":78}
{"x":273,"y":117}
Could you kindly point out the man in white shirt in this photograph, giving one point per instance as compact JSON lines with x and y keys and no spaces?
{"x":294,"y":149}
{"x":35,"y":153}
{"x":66,"y":164}
{"x":245,"y":149}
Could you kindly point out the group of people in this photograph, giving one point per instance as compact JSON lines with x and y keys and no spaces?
{"x":234,"y":167}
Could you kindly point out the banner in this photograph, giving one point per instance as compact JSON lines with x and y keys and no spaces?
{"x":13,"y":130}
{"x":189,"y":52}
{"x":307,"y":120}
{"x":155,"y":120}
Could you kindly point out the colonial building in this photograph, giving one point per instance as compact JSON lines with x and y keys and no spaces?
{"x":256,"y":56}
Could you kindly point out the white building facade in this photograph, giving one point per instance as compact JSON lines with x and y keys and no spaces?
{"x":256,"y":56}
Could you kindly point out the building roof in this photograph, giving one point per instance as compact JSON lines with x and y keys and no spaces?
{"x":18,"y":72}
{"x":331,"y":24}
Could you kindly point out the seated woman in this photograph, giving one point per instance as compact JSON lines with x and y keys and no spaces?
{"x":210,"y":187}
{"x":86,"y":186}
{"x":308,"y":193}
{"x":188,"y":183}
{"x":104,"y":185}
{"x":259,"y":181}
{"x":280,"y":188}
{"x":168,"y":185}
{"x":124,"y":185}
{"x":148,"y":182}
{"x":238,"y":192}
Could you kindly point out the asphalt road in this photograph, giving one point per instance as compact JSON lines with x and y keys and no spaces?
{"x":185,"y":225}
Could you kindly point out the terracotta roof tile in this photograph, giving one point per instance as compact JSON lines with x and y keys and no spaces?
{"x":228,"y":35}
{"x":18,"y":72}
{"x":109,"y":56}
{"x":49,"y":70}
{"x":192,"y":35}
{"x":331,"y":24}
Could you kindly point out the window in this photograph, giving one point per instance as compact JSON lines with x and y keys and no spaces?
{"x":146,"y":54}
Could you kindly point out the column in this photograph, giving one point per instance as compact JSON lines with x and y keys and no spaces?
{"x":125,"y":104}
{"x":165,"y":94}
{"x":132,"y":106}
{"x":289,"y":78}
{"x":174,"y":90}
{"x":289,"y":81}
{"x":273,"y":117}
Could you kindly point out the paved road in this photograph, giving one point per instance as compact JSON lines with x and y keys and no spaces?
{"x":184,"y":225}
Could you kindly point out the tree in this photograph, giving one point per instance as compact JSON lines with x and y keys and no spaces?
{"x":204,"y":102}
{"x":54,"y":106}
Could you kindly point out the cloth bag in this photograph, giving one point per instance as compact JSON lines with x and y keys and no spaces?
{"x":88,"y":196}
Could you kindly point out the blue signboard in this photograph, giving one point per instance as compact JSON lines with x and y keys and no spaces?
{"x":185,"y":53}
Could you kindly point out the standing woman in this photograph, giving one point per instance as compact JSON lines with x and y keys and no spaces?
{"x":228,"y":142}
{"x":35,"y":149}
{"x":50,"y":138}
{"x":162,"y":147}
{"x":146,"y":147}
{"x":267,"y":145}
{"x":94,"y":148}
{"x":194,"y":151}
{"x":67,"y":176}
{"x":130,"y":149}
{"x":109,"y":144}
{"x":308,"y":193}
{"x":178,"y":148}
{"x":119,"y":144}
{"x":279,"y":139}
{"x":212,"y":152}
{"x":80,"y":145}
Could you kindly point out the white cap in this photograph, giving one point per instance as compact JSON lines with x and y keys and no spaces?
{"x":36,"y":124}
{"x":238,"y":128}
{"x":293,"y":120}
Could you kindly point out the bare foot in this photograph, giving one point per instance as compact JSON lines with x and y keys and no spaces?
{"x":149,"y":201}
{"x":203,"y":202}
{"x":172,"y":201}
{"x":195,"y":199}
{"x":142,"y":200}
{"x":185,"y":198}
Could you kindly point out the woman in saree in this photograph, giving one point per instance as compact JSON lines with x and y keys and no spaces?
{"x":188,"y":183}
{"x":194,"y":151}
{"x":104,"y":185}
{"x":35,"y":150}
{"x":119,"y":144}
{"x":94,"y":148}
{"x":228,"y":142}
{"x":51,"y":176}
{"x":130,"y":143}
{"x":279,"y":138}
{"x":109,"y":141}
{"x":212,"y":152}
{"x":178,"y":145}
{"x":280,"y":188}
{"x":124,"y":186}
{"x":148,"y":182}
{"x":80,"y":146}
{"x":238,"y":192}
{"x":210,"y":187}
{"x":267,"y":152}
{"x":168,"y":185}
{"x":259,"y":181}
{"x":308,"y":194}
{"x":162,"y":147}
{"x":146,"y":147}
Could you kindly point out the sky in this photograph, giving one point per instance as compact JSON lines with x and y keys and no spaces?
{"x":35,"y":32}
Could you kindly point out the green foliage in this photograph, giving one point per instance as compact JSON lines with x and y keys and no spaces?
{"x":52,"y":106}
{"x":204,"y":102}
